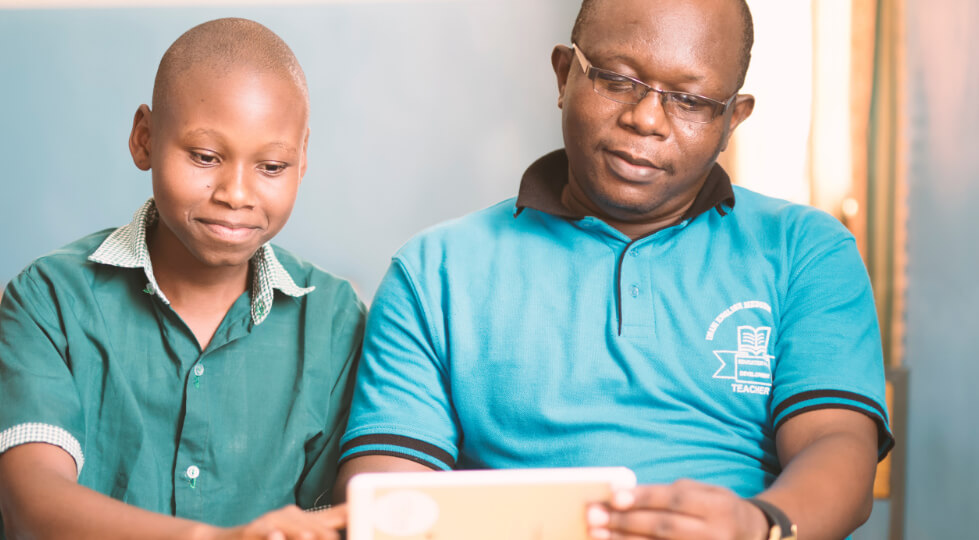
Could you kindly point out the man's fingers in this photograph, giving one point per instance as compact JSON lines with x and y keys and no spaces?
{"x":683,"y":496}
{"x":654,"y":524}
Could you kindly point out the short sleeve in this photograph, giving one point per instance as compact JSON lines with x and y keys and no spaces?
{"x":37,"y":389}
{"x":829,"y":349}
{"x":401,"y":405}
{"x":346,"y":327}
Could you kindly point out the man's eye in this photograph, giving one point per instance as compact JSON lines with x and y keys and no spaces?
{"x":617,"y":83}
{"x":690,"y":102}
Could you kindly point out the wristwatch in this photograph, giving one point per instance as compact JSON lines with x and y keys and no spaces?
{"x":780,"y":526}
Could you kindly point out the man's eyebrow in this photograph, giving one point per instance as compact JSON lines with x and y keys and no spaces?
{"x":686,"y":77}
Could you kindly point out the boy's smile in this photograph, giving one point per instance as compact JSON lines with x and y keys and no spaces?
{"x":227,"y":151}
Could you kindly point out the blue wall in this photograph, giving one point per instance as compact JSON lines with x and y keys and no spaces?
{"x":943,"y":293}
{"x":421,"y":111}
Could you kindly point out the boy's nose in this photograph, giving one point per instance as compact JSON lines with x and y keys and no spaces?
{"x":235,"y":188}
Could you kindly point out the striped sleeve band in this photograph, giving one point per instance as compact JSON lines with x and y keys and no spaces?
{"x":380,"y":444}
{"x":837,"y":399}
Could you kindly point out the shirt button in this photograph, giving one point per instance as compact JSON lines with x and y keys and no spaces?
{"x":193,"y":472}
{"x":199,"y":370}
{"x":635,"y":291}
{"x":634,"y":253}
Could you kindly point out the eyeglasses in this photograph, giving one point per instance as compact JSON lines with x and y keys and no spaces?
{"x":624,"y":89}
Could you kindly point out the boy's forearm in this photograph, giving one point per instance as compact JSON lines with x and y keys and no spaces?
{"x":39,"y":498}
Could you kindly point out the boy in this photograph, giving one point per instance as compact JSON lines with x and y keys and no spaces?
{"x":180,"y":374}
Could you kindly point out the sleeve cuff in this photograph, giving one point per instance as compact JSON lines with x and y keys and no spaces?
{"x":398,"y":446}
{"x":43,"y":433}
{"x":837,"y":399}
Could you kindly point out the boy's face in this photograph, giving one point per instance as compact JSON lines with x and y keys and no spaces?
{"x":228,"y":152}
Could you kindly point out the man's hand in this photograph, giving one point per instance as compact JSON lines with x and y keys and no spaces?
{"x":288,"y":523}
{"x":683,"y":510}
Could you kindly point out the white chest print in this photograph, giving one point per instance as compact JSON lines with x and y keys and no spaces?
{"x":749,"y":366}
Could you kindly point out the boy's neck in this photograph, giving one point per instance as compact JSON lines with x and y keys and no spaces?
{"x":201,"y":294}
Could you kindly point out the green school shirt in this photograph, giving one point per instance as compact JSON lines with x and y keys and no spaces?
{"x":94,"y":360}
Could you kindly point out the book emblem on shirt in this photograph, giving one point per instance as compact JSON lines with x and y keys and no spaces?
{"x":750,"y":366}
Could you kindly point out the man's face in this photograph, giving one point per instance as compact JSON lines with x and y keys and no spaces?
{"x":635,"y":163}
{"x":228,"y":152}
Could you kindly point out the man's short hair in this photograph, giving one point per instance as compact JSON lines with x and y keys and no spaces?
{"x":222,"y":45}
{"x":747,"y":31}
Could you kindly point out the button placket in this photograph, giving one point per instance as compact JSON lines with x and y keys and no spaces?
{"x":198,"y":372}
{"x":192,"y":473}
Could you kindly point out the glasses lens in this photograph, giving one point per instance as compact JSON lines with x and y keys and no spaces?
{"x":616,"y":87}
{"x":687,"y":107}
{"x":690,"y":107}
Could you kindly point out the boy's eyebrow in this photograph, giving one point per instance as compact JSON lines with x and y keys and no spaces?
{"x":217,"y":134}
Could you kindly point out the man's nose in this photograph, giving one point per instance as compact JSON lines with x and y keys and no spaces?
{"x":649,"y":117}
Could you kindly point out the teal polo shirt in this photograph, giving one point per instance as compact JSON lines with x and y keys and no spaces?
{"x":525,"y":336}
{"x":94,"y":360}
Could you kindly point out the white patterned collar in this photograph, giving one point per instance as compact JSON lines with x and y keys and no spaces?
{"x":126,"y":247}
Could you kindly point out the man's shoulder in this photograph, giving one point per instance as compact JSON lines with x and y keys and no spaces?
{"x":466,"y":232}
{"x":760,"y":211}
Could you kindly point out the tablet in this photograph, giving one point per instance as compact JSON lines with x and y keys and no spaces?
{"x":512,"y":504}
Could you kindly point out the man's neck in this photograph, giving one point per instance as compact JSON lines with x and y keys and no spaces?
{"x":578,"y":203}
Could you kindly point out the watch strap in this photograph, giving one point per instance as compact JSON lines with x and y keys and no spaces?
{"x":780,"y":526}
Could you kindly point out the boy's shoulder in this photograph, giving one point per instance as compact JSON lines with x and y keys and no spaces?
{"x":71,"y":258}
{"x":308,"y":274}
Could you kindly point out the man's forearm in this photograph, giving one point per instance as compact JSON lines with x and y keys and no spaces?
{"x":826,"y":486}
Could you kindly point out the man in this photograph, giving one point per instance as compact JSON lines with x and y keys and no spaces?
{"x":180,"y":377}
{"x":633,"y":308}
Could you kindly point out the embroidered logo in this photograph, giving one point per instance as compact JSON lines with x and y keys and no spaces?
{"x":750,"y":366}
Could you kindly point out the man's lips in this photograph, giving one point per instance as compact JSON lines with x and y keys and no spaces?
{"x":630,"y":167}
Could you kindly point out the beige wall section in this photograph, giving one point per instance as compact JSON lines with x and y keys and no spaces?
{"x":768,"y":151}
{"x":72,"y":4}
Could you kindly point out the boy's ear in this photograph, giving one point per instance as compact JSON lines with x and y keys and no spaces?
{"x":303,"y":162}
{"x":139,"y":138}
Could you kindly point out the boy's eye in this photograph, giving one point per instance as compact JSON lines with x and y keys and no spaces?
{"x":272,"y":168}
{"x":204,"y":159}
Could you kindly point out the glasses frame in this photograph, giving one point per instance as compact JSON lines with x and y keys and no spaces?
{"x":590,"y":71}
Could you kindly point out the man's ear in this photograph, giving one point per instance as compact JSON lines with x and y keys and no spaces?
{"x":741,"y":110}
{"x":303,"y":161}
{"x":561,"y":59}
{"x":139,"y":138}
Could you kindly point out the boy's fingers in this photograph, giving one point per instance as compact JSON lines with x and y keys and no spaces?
{"x":334,"y":517}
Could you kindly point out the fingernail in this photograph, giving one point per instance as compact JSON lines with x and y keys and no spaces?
{"x":600,"y":534}
{"x":623,"y":499}
{"x":597,"y":516}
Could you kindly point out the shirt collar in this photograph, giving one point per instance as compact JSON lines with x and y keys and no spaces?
{"x":126,"y":248}
{"x":544,"y":180}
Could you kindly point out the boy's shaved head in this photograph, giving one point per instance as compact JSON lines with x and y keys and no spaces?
{"x":222,"y":45}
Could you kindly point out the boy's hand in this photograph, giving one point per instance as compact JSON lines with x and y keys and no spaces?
{"x":683,"y":510}
{"x":289,"y":523}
